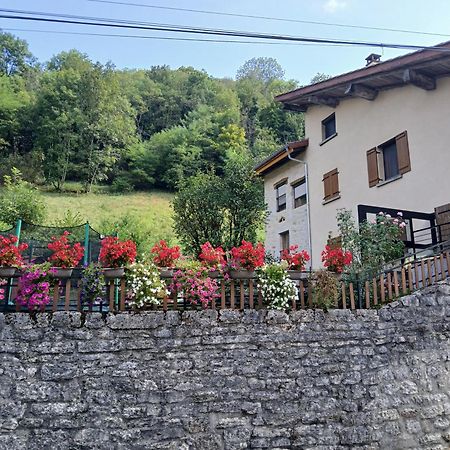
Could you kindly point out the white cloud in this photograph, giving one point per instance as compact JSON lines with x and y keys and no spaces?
{"x":332,"y":6}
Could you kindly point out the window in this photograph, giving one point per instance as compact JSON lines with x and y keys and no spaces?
{"x":284,"y":240}
{"x":331,"y":186}
{"x":328,"y":127}
{"x":299,"y":190}
{"x":388,"y":161}
{"x":281,"y":195}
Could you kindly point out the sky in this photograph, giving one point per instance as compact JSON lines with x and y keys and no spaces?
{"x":300,"y":62}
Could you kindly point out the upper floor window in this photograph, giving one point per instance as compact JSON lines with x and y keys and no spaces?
{"x":329,"y":127}
{"x":388,"y":161}
{"x":331,"y":186}
{"x":299,"y":190}
{"x":284,"y":240}
{"x":281,"y":195}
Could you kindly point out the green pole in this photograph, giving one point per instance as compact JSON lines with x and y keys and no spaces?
{"x":86,"y":244}
{"x":18,"y":230}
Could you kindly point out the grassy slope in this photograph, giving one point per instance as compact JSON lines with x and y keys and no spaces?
{"x":151,"y":210}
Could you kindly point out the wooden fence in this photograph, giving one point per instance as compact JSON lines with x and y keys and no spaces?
{"x":243,"y":293}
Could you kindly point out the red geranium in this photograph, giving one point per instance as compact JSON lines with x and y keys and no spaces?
{"x":335,"y":259}
{"x":213,"y":257}
{"x":296,"y":260}
{"x":65,"y":255}
{"x":115,"y":253}
{"x":247,"y":256}
{"x":165,"y":256}
{"x":10,"y":252}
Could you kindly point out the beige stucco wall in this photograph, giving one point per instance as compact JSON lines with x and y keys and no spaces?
{"x":362,"y":125}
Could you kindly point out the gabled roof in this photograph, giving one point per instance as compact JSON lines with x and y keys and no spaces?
{"x":420,"y":68}
{"x":281,"y":156}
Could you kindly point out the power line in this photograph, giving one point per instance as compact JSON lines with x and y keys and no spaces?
{"x":207,"y":31}
{"x":228,"y":41}
{"x":277,"y":19}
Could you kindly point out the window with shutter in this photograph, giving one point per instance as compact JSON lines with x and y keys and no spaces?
{"x":404,"y":163}
{"x":372,"y":167}
{"x":280,"y":191}
{"x":331,"y":185}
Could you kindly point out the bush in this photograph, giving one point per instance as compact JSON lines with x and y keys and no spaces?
{"x":20,"y":200}
{"x":326,"y":289}
{"x":122,"y":185}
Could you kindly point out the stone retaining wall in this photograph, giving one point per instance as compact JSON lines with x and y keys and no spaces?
{"x":229,"y":380}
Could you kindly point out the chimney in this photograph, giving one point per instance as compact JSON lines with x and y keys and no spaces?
{"x":372,"y":59}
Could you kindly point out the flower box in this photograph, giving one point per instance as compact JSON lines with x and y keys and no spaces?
{"x":7,"y":272}
{"x":296,"y":274}
{"x":166,"y":273}
{"x":242,"y":274}
{"x":113,"y":272}
{"x":60,"y":272}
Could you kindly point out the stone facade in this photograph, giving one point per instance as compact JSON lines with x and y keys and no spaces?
{"x":229,"y":380}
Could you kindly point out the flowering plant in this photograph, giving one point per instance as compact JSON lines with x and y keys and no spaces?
{"x":276,"y":288}
{"x":34,"y":287}
{"x":92,"y":285}
{"x":146,"y":286}
{"x":2,"y":290}
{"x":115,"y":253}
{"x":247,"y":256}
{"x":10,"y":252}
{"x":335,"y":259}
{"x":194,"y":283}
{"x":65,"y":255}
{"x":212,"y":257}
{"x":296,"y":260}
{"x":165,"y":256}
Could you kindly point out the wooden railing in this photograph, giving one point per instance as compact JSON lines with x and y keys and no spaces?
{"x":243,"y":293}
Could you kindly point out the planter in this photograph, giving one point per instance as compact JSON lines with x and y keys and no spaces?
{"x":296,"y":274}
{"x":114,"y":272}
{"x":214,"y":274}
{"x":7,"y":272}
{"x":166,"y":272}
{"x":242,"y":274}
{"x":59,"y":272}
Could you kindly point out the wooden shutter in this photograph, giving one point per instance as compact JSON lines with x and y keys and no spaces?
{"x":372,"y":167}
{"x":404,"y":163}
{"x":330,"y":184}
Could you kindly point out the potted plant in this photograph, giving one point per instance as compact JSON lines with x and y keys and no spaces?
{"x":245,"y":259}
{"x":335,"y":259}
{"x":34,"y":287}
{"x":165,"y":257}
{"x":10,"y":255}
{"x":65,"y":256}
{"x":193,"y":282}
{"x":276,"y":288}
{"x":115,"y":255}
{"x":296,"y":261}
{"x":146,"y":287}
{"x":213,"y":258}
{"x":93,"y":288}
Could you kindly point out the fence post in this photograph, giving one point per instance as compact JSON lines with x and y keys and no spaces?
{"x":86,"y":244}
{"x":18,"y":230}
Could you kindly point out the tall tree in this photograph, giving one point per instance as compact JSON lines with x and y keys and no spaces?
{"x":15,"y":57}
{"x":264,"y":69}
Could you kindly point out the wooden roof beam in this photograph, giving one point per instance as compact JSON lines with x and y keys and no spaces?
{"x":359,"y":90}
{"x":321,"y":100}
{"x":293,"y":107}
{"x":419,"y":80}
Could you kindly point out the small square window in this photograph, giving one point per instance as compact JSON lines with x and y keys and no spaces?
{"x":329,"y":127}
{"x":299,"y":190}
{"x":281,"y":196}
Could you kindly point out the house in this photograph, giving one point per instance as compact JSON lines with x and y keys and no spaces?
{"x":378,"y":139}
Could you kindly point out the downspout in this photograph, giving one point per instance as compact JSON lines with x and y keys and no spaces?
{"x":307,"y":199}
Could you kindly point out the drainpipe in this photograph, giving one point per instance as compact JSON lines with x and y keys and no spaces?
{"x":307,"y":199}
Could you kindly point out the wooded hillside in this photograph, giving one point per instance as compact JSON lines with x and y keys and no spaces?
{"x":73,"y":119}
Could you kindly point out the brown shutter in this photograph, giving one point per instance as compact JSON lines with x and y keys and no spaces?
{"x":404,"y":163}
{"x":372,"y":167}
{"x":330,"y":184}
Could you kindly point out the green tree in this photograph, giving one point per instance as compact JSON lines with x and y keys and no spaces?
{"x":264,"y":69}
{"x":15,"y":57}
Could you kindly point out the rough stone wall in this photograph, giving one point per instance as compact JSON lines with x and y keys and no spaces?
{"x":203,"y":380}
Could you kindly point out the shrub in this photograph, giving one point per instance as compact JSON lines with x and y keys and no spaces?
{"x":20,"y":200}
{"x":122,"y":185}
{"x":325,"y":288}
